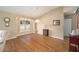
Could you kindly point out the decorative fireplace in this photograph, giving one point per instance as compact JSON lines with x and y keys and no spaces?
{"x":46,"y":32}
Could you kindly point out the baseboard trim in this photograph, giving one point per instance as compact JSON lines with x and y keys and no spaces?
{"x":12,"y":38}
{"x":18,"y":36}
{"x":23,"y":34}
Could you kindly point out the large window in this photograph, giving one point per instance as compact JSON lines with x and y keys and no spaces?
{"x":24,"y":25}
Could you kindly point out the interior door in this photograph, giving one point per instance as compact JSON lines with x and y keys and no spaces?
{"x":67,"y":27}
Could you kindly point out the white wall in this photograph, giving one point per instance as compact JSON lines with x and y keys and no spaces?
{"x":46,"y":21}
{"x":13,"y":29}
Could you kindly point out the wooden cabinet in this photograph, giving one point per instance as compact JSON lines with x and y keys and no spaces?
{"x":74,"y":43}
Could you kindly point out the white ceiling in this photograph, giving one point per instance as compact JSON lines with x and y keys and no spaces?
{"x":70,"y":9}
{"x":29,"y":11}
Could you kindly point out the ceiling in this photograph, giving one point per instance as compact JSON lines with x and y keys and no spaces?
{"x":68,"y":10}
{"x":29,"y":11}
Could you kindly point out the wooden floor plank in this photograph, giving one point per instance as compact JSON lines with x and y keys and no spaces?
{"x":35,"y":43}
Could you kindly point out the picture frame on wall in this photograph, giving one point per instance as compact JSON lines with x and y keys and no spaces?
{"x":56,"y":22}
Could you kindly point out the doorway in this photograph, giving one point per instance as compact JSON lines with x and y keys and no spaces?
{"x":67,"y":27}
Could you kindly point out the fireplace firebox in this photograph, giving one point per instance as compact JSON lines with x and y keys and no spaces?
{"x":46,"y":32}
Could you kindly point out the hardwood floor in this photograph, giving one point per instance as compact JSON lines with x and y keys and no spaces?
{"x":35,"y":43}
